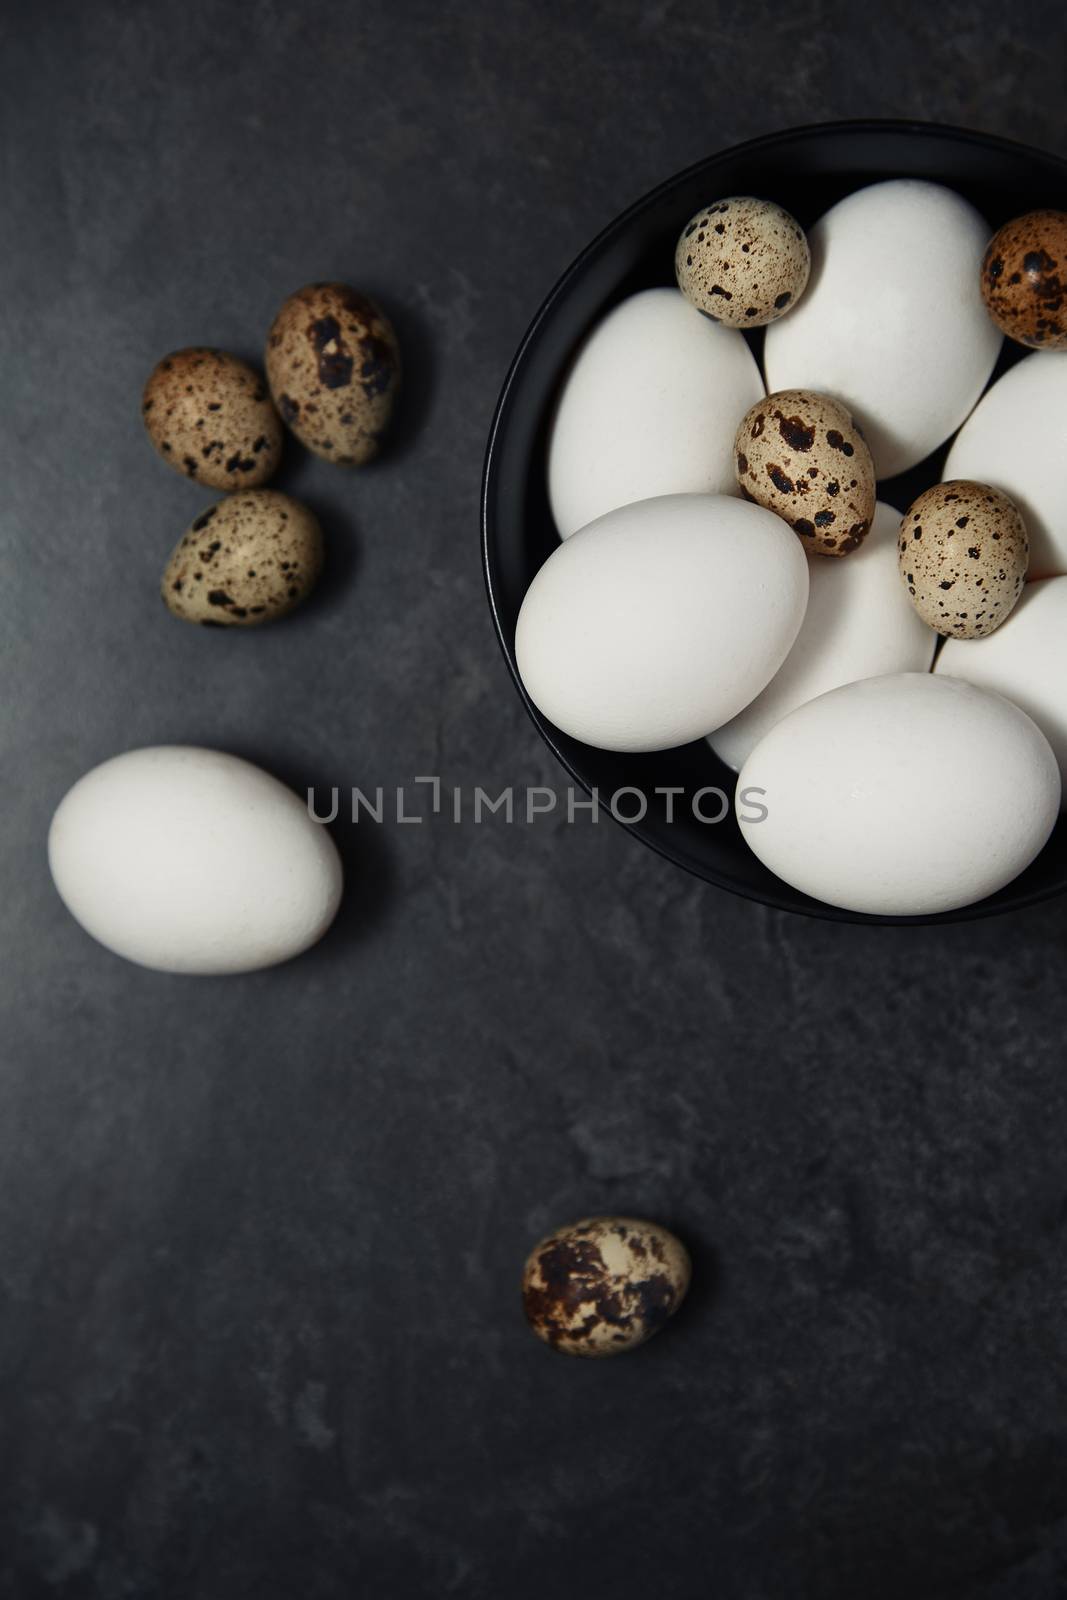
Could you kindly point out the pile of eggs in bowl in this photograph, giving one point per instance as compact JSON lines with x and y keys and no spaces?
{"x":891,"y":680}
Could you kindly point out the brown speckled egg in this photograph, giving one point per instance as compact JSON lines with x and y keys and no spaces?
{"x":210,"y":417}
{"x":963,"y":554}
{"x":743,"y":261}
{"x":334,"y":370}
{"x":1024,"y":279}
{"x":248,"y":559}
{"x":801,"y":455}
{"x":604,"y":1285}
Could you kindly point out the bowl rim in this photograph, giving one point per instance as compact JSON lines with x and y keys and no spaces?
{"x":816,"y":909}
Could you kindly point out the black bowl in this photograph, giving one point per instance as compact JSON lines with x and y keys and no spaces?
{"x":806,"y":170}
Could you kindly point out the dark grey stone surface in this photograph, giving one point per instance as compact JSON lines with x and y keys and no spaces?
{"x":260,"y":1237}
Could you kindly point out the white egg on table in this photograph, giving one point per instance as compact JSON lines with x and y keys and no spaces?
{"x":1025,"y":660}
{"x":649,"y":407}
{"x":892,"y":322}
{"x":901,"y":796}
{"x":859,"y":624}
{"x":660,"y":620}
{"x":1016,"y":440}
{"x":190,"y":860}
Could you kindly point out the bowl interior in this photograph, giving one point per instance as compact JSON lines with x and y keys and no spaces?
{"x":806,"y":170}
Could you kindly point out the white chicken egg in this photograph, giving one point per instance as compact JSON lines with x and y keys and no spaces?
{"x":190,"y":860}
{"x":660,"y":620}
{"x":1016,"y":440}
{"x":650,"y":407}
{"x":859,"y":624}
{"x":892,"y":322}
{"x":1025,"y":659}
{"x":901,"y":796}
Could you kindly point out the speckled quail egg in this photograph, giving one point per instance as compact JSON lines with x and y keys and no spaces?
{"x":1024,"y":279}
{"x":248,"y":559}
{"x":963,"y":553}
{"x":209,"y":416}
{"x":604,"y":1285}
{"x":334,"y":370}
{"x":801,"y":455}
{"x":743,"y":261}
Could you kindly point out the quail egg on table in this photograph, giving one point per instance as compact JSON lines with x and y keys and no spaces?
{"x":209,"y":416}
{"x":742,"y":261}
{"x":333,"y":366}
{"x":1024,"y":279}
{"x":249,"y":559}
{"x":963,"y":553}
{"x":801,"y":455}
{"x":604,"y":1285}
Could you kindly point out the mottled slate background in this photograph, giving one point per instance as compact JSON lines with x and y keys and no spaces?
{"x":259,"y":1237}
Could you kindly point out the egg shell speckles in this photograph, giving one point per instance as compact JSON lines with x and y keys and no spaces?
{"x":742,"y":261}
{"x":801,"y":455}
{"x":246,"y":560}
{"x":1024,"y":279}
{"x":209,"y":417}
{"x":963,"y":554}
{"x":604,"y":1285}
{"x":333,"y":366}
